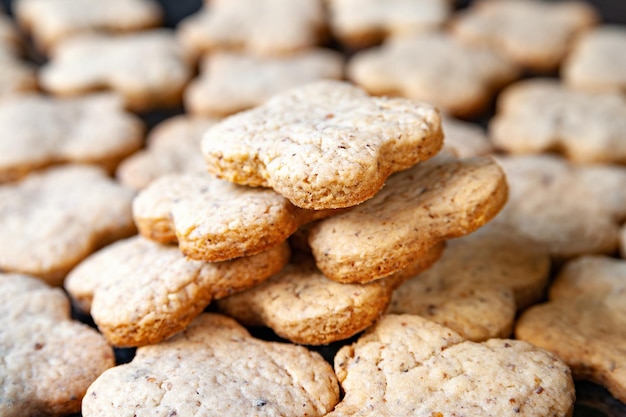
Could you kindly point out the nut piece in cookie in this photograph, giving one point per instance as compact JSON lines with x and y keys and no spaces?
{"x":584,"y":321}
{"x":406,"y":365}
{"x":53,"y":219}
{"x":48,"y":360}
{"x":327,"y":144}
{"x":215,"y":368}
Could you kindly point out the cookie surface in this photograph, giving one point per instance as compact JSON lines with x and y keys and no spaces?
{"x":323,"y":145}
{"x":465,"y":139}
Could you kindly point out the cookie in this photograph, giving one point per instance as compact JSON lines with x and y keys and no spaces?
{"x":418,"y":208}
{"x":140,"y":292}
{"x":302,"y":305}
{"x":53,"y":219}
{"x":584,"y":321}
{"x":327,"y":144}
{"x":535,"y":34}
{"x":93,"y":129}
{"x":465,"y":139}
{"x":215,"y":368}
{"x":230,"y":82}
{"x":406,"y":365}
{"x":543,"y":115}
{"x":148,"y":69}
{"x":596,"y":62}
{"x":479,"y":283}
{"x":49,"y":360}
{"x":173,"y":146}
{"x":436,"y":68}
{"x":15,"y":74}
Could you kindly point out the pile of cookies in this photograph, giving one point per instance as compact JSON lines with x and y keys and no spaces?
{"x":319,"y":169}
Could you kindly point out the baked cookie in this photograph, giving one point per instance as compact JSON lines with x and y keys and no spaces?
{"x":465,"y":139}
{"x":53,"y":219}
{"x":215,"y":368}
{"x":584,"y":321}
{"x":15,"y":74}
{"x":48,"y":360}
{"x":418,"y":208}
{"x":535,"y":34}
{"x":436,"y":68}
{"x":173,"y":146}
{"x":479,"y":283}
{"x":140,"y":292}
{"x":93,"y":129}
{"x":148,"y":69}
{"x":231,"y":82}
{"x":541,"y":115}
{"x":327,"y":144}
{"x":406,"y":365}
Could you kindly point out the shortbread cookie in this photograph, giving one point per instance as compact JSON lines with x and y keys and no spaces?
{"x":542,"y":115}
{"x":148,"y":69}
{"x":51,"y":21}
{"x":231,"y":82}
{"x":53,"y":219}
{"x":140,"y":292}
{"x":478,"y":284}
{"x":535,"y":34}
{"x":37,"y":131}
{"x":215,"y":220}
{"x":465,"y":139}
{"x":323,"y":145}
{"x":302,"y":305}
{"x":173,"y":146}
{"x":435,"y":68}
{"x":597,"y":61}
{"x":584,"y":321}
{"x":263,"y":27}
{"x":406,"y":365}
{"x":215,"y":368}
{"x":418,"y":208}
{"x":48,"y":360}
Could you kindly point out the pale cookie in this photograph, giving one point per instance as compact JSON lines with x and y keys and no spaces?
{"x":542,"y":115}
{"x":263,"y":27}
{"x":584,"y":321}
{"x":302,"y":305}
{"x":479,"y":283}
{"x":215,"y":368}
{"x":418,"y":208}
{"x":51,"y":21}
{"x":173,"y":146}
{"x":597,"y":61}
{"x":140,"y":292}
{"x":406,"y":365}
{"x":48,"y":360}
{"x":52,"y":220}
{"x":37,"y":131}
{"x":148,"y":69}
{"x":215,"y":220}
{"x":231,"y":82}
{"x":535,"y":34}
{"x":570,"y":209}
{"x":436,"y":68}
{"x":465,"y":139}
{"x":323,"y":145}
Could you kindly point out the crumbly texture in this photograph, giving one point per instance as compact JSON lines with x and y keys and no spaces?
{"x":93,"y":129}
{"x":535,"y":34}
{"x":173,"y":146}
{"x":584,"y":321}
{"x":418,"y":208}
{"x":215,"y":368}
{"x":544,"y":115}
{"x":52,"y":220}
{"x":140,"y":292}
{"x":327,"y":144}
{"x":48,"y":360}
{"x":406,"y":365}
{"x":230,"y":82}
{"x":433,"y":67}
{"x":148,"y":69}
{"x":465,"y":139}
